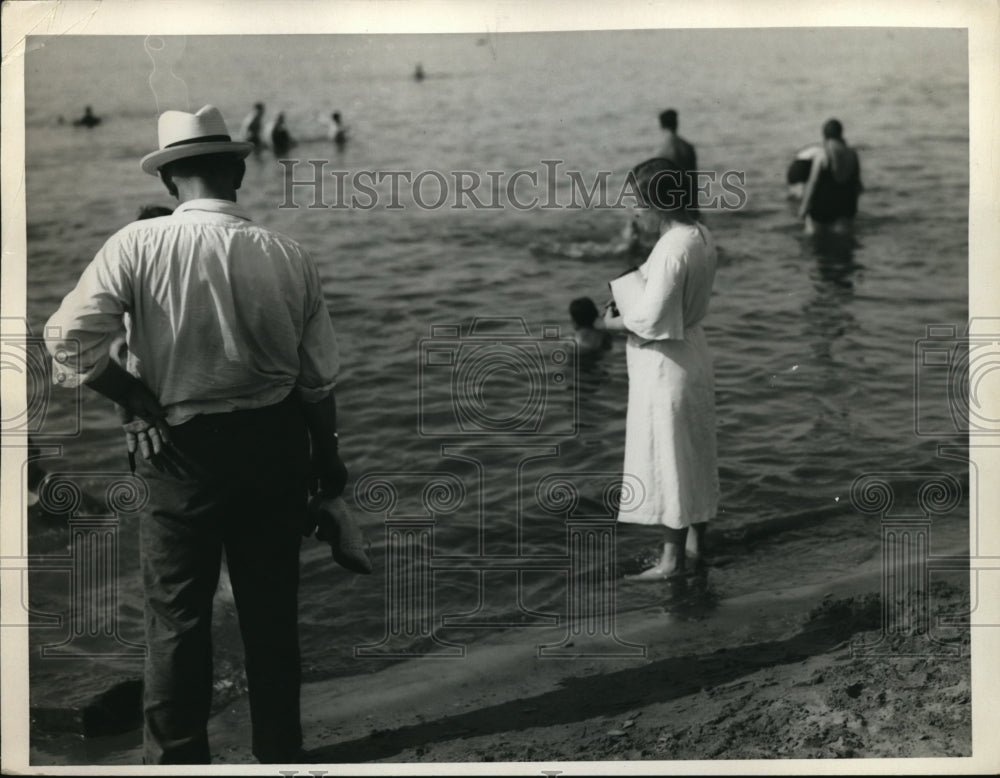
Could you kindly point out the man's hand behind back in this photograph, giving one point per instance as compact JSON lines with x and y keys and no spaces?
{"x":141,"y":414}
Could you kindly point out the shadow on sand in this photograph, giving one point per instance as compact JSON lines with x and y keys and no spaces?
{"x":610,"y":694}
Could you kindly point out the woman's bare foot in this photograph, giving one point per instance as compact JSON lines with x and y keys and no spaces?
{"x":671,"y":564}
{"x":655,"y":574}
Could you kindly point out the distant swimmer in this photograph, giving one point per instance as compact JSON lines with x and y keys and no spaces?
{"x":589,"y":339}
{"x":88,"y":119}
{"x":278,"y":136}
{"x":674,"y":147}
{"x":250,"y":130}
{"x":418,"y":73}
{"x":830,"y":197}
{"x":336,"y":130}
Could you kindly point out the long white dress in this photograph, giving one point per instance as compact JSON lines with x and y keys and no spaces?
{"x":670,"y":443}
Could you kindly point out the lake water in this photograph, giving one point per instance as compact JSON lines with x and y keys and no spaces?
{"x":813,"y":341}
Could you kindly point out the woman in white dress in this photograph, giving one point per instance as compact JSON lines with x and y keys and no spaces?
{"x":670,"y":425}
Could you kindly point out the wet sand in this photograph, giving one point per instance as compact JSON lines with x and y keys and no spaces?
{"x":790,"y":681}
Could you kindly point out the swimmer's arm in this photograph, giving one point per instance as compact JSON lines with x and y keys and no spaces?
{"x":810,"y":187}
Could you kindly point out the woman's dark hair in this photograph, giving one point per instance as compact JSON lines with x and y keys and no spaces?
{"x":583,"y":312}
{"x":662,"y":185}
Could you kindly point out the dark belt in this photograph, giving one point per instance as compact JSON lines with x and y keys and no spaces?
{"x":229,"y":421}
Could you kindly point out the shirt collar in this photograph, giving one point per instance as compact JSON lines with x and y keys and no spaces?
{"x":212,"y":205}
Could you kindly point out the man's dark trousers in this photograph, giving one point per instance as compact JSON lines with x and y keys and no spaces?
{"x":235,"y":481}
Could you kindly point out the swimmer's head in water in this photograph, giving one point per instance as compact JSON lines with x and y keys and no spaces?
{"x":336,"y":116}
{"x":583,"y":312}
{"x":833,"y":130}
{"x":668,"y":120}
{"x":662,"y":185}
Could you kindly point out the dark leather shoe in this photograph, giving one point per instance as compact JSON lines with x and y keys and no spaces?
{"x":338,"y":527}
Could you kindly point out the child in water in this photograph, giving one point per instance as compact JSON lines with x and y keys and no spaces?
{"x":589,"y":339}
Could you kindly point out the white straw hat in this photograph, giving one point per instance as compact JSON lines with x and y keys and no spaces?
{"x":184,"y":134}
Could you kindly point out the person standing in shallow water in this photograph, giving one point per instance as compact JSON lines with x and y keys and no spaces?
{"x":830,"y":196}
{"x":682,"y":155}
{"x":670,"y":439}
{"x":674,"y":147}
{"x":253,"y":126}
{"x":336,"y":130}
{"x":278,"y":136}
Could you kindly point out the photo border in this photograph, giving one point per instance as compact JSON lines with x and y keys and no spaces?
{"x":981,"y":18}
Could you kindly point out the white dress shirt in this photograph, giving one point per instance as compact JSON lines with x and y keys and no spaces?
{"x":219,"y":314}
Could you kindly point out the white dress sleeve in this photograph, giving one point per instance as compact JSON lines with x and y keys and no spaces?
{"x":658,"y":313}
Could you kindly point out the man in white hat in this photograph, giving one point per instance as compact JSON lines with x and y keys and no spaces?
{"x":229,"y":384}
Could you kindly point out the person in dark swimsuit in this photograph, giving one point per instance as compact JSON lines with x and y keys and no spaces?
{"x":278,"y":135}
{"x":830,"y":198}
{"x":674,"y":147}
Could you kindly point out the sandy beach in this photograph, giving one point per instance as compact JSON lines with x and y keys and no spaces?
{"x":813,"y":675}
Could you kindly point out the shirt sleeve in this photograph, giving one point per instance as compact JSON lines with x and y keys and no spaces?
{"x":658,"y":313}
{"x":319,"y":356}
{"x":79,"y":335}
